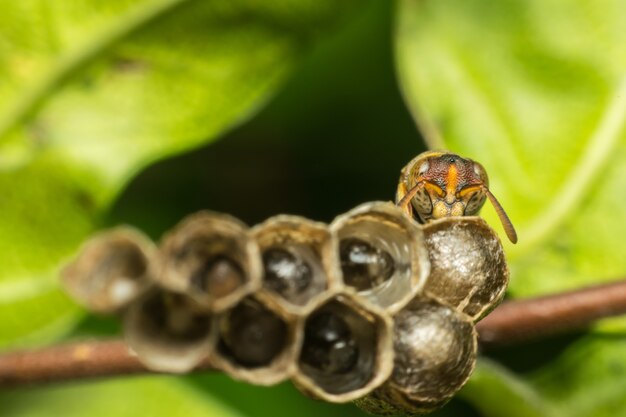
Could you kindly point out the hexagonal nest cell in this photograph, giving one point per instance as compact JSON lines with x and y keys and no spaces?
{"x":112,"y":270}
{"x":212,"y":257}
{"x":382,"y":254}
{"x":346,"y":350}
{"x":298,"y":259}
{"x":169,"y":331}
{"x":257,"y":342}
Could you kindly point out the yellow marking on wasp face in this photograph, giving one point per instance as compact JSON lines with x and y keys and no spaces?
{"x":440,"y":210}
{"x":451,"y":183}
{"x":434,"y":189}
{"x":469,"y":189}
{"x":458,"y":209}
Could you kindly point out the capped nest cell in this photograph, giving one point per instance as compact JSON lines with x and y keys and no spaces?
{"x":468,"y":268}
{"x":434,"y":355}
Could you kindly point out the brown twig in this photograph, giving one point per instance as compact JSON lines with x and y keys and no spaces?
{"x":512,"y":322}
{"x":71,"y":361}
{"x":533,"y":318}
{"x":82,"y":360}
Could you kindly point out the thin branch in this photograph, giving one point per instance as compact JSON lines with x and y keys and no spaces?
{"x":72,"y":361}
{"x":513,"y":322}
{"x":533,"y":318}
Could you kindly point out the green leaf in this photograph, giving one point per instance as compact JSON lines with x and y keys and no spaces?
{"x":496,"y":392}
{"x":536,"y":91}
{"x":46,"y":211}
{"x":92,"y":92}
{"x":588,"y":378}
{"x":281,"y":400}
{"x":146,"y":396}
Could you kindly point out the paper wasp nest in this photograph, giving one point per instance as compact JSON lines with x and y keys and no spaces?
{"x":375,"y":307}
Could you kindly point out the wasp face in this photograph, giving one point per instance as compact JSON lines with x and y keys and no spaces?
{"x":442,"y":184}
{"x":451,"y":185}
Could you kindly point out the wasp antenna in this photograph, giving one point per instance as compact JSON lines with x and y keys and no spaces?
{"x":504,"y":219}
{"x":404,"y":202}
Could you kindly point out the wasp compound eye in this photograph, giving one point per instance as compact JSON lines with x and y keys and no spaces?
{"x":298,"y":260}
{"x":112,"y":269}
{"x":468,"y":268}
{"x":256,"y":342}
{"x":382,"y":254}
{"x":345,"y":351}
{"x":169,"y":331}
{"x":435,"y":353}
{"x":211,"y":257}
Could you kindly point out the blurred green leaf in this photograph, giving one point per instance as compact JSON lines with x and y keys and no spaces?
{"x":536,"y":91}
{"x":91,"y":92}
{"x":146,"y":396}
{"x":283,"y":400}
{"x":496,"y":392}
{"x":588,"y":379}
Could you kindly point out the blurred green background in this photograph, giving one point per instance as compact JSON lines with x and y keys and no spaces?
{"x":143,"y":111}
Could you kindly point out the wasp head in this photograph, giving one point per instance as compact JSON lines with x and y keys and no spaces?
{"x":442,"y":184}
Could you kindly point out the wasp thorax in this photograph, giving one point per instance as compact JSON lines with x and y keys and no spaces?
{"x":212,"y":257}
{"x":468,"y":268}
{"x":382,"y":254}
{"x":169,"y":331}
{"x":345,"y":351}
{"x":112,"y":270}
{"x":297,"y":259}
{"x":256,"y":342}
{"x":435,"y":353}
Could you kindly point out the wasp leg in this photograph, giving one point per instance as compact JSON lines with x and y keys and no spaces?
{"x":405,"y":201}
{"x":400,"y":193}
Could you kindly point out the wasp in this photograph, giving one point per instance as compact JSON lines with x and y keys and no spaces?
{"x":443,"y":184}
